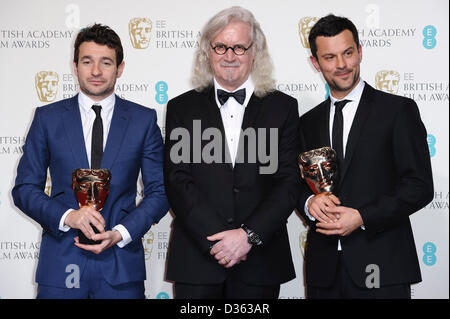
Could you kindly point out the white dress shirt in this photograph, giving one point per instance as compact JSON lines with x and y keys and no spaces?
{"x":348,"y":113}
{"x":88,"y":117}
{"x":87,"y":122}
{"x":233,"y":114}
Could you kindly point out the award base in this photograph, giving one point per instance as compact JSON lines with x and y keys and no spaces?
{"x":82,"y":239}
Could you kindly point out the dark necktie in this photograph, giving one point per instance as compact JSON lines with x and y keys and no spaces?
{"x":223,"y":96}
{"x":338,"y":129}
{"x":97,"y":138}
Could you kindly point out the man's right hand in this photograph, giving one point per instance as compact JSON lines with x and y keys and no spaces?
{"x":83,"y":217}
{"x":317,"y":204}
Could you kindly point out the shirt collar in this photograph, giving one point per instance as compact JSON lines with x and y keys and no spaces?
{"x":86,"y":102}
{"x":248,"y":85}
{"x":354,"y":95}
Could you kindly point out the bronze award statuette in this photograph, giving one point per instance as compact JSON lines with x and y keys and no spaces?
{"x":91,"y":187}
{"x":319,"y":169}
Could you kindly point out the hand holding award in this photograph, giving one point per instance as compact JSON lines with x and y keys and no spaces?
{"x":91,"y":187}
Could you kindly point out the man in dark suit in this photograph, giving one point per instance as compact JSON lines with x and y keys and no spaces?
{"x":62,"y":137}
{"x":230,"y":201}
{"x":360,"y":243}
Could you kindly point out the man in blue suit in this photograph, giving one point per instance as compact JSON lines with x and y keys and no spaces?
{"x":64,"y":136}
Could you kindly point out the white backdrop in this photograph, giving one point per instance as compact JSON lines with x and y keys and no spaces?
{"x":405,"y":51}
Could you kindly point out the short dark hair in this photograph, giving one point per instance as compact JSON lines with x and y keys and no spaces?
{"x":100,"y":34}
{"x":329,"y":26}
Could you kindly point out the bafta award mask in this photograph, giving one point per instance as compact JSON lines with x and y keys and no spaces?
{"x":319,"y":169}
{"x":91,"y":186}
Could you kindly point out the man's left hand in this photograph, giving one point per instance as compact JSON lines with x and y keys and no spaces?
{"x":349,"y":220}
{"x":108,"y":239}
{"x":232,"y":247}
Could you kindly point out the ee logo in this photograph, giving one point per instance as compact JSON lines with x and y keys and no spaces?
{"x":431,"y":139}
{"x":161,"y":92}
{"x":429,"y":257}
{"x":162,"y":295}
{"x":327,"y":90}
{"x":429,"y":40}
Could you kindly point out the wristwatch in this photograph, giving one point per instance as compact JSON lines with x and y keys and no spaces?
{"x":252,"y":237}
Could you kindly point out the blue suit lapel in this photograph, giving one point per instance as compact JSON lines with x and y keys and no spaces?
{"x":74,"y":130}
{"x":119,"y":124}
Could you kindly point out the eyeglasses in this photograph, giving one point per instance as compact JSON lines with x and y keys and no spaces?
{"x":238,"y":49}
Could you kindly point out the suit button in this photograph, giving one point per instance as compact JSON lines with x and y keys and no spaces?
{"x":230,"y":220}
{"x":235,"y":190}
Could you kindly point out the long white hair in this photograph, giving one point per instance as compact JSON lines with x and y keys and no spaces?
{"x":262,"y":69}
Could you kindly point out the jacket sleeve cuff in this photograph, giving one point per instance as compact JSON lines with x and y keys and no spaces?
{"x":126,"y":238}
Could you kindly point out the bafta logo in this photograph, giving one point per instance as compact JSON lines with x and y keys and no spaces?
{"x":46,"y":83}
{"x":139,"y":30}
{"x":48,"y":186}
{"x":387,"y":81}
{"x":303,"y":241}
{"x":304,"y":27}
{"x":147,"y":241}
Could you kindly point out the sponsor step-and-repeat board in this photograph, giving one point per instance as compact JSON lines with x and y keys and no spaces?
{"x":405,"y":52}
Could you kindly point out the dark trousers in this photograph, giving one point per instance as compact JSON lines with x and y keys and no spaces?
{"x":92,"y":285}
{"x":344,"y":288}
{"x":232,"y":288}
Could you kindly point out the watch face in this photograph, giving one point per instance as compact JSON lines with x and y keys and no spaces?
{"x":253,"y":238}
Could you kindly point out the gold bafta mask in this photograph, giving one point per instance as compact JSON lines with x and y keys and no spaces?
{"x":303,"y":242}
{"x":48,"y":186}
{"x":387,"y":81}
{"x":319,"y":169}
{"x":46,"y":83}
{"x":147,"y":241}
{"x":139,"y":30}
{"x":304,"y":27}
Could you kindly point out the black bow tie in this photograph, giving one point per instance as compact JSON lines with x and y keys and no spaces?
{"x":223,"y":96}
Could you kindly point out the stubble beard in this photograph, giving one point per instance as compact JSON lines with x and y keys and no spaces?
{"x":336,"y":87}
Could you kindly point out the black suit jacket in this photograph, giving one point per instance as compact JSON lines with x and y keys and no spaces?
{"x":386,"y":177}
{"x":207,"y":198}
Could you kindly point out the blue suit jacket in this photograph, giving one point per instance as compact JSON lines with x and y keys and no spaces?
{"x":55,"y":142}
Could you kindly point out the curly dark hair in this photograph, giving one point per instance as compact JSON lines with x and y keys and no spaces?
{"x":100,"y":34}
